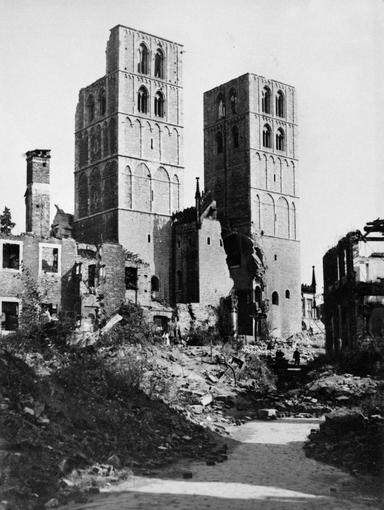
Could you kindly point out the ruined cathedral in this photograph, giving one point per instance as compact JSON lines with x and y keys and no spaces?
{"x":238,"y":243}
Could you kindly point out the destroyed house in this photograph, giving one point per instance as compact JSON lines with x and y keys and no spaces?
{"x":354,"y":288}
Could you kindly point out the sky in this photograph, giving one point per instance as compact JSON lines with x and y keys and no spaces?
{"x":331,"y":51}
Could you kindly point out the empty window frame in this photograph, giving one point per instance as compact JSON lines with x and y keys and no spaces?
{"x":279,"y":99}
{"x":131,"y":278}
{"x":266,"y":100}
{"x":92,"y":275}
{"x":287,"y":294}
{"x":159,"y":104}
{"x":142,"y":100}
{"x":159,"y":64}
{"x":50,"y":258}
{"x":11,"y":255}
{"x":155,"y":284}
{"x":102,"y":102}
{"x":235,"y":137}
{"x":267,"y":136}
{"x":280,"y":140}
{"x":220,"y":105}
{"x":275,"y":298}
{"x":142,"y":66}
{"x":233,"y":100}
{"x":9,"y":313}
{"x":219,"y":143}
{"x":91,"y":108}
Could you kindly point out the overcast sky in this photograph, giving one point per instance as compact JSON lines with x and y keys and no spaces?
{"x":332,"y":51}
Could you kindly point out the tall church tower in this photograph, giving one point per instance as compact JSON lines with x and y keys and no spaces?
{"x":250,"y":164}
{"x":129,"y":145}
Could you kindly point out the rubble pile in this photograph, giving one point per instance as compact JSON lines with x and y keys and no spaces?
{"x":308,"y":344}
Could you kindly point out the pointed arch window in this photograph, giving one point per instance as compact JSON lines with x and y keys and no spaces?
{"x":233,"y":100}
{"x":91,"y":108}
{"x":266,"y":100}
{"x":219,"y":143}
{"x":142,"y":66}
{"x":267,"y":136}
{"x":280,"y":140}
{"x":280,"y":104}
{"x":159,"y":64}
{"x":159,"y":104}
{"x":235,"y":137}
{"x":220,"y":105}
{"x":102,"y":102}
{"x":142,"y":100}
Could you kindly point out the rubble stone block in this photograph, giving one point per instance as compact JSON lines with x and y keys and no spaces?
{"x":267,"y":414}
{"x":342,"y":422}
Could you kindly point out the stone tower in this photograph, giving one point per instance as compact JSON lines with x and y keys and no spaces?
{"x":37,"y":195}
{"x":129,"y":145}
{"x":250,"y":164}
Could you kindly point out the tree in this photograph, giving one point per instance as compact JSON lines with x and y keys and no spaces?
{"x":6,"y":223}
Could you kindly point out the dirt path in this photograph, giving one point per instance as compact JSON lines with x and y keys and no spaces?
{"x":266,"y":469}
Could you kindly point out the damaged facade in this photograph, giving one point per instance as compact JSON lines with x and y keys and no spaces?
{"x":239,"y":241}
{"x":354,"y":288}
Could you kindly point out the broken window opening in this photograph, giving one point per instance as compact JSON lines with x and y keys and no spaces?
{"x":159,"y":64}
{"x":159,"y":104}
{"x":9,"y":315}
{"x":131,"y":278}
{"x":275,"y":298}
{"x":280,"y":140}
{"x":233,"y":100}
{"x":142,"y":103}
{"x":266,"y":100}
{"x":142,"y":66}
{"x":11,"y":256}
{"x":280,"y":104}
{"x":267,"y":136}
{"x":91,"y":108}
{"x":102,"y":102}
{"x":92,"y":275}
{"x":50,"y":259}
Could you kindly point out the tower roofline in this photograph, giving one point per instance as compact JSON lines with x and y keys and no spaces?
{"x":146,"y":33}
{"x":248,"y":74}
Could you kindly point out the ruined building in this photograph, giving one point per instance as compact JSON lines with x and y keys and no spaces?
{"x":239,"y":242}
{"x":250,"y":164}
{"x":354,"y":288}
{"x":129,"y":181}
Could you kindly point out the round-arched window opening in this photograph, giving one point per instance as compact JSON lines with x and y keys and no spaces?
{"x":287,"y":294}
{"x":275,"y":298}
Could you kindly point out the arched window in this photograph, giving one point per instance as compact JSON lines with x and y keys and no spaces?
{"x":287,"y":294}
{"x":91,"y":108}
{"x":155,"y":284}
{"x":280,"y":140}
{"x":142,"y":66}
{"x":159,"y":64}
{"x":275,"y":298}
{"x":266,"y":100}
{"x":220,"y":105}
{"x":235,"y":137}
{"x":267,"y":136}
{"x":233,"y":100}
{"x":258,"y":295}
{"x":102,"y":102}
{"x":280,"y":104}
{"x":159,"y":104}
{"x":142,"y":100}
